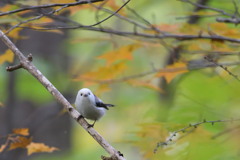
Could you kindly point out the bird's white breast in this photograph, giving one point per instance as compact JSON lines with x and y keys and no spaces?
{"x":88,"y":109}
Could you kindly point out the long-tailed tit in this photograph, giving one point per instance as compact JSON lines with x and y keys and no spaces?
{"x":90,"y":106}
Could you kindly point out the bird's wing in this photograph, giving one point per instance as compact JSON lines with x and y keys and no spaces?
{"x":99,"y":103}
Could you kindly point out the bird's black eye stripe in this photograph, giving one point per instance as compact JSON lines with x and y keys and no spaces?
{"x":81,"y":94}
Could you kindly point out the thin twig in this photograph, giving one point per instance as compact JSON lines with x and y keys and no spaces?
{"x":184,"y":129}
{"x":34,"y":18}
{"x":207,"y":7}
{"x":221,"y":66}
{"x":109,"y":15}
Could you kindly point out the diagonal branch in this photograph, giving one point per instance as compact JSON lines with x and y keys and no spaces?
{"x":30,"y":67}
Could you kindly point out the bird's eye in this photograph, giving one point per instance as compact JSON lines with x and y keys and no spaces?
{"x":88,"y":93}
{"x":81,"y":94}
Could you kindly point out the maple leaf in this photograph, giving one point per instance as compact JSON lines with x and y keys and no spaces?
{"x":19,"y":142}
{"x":8,"y":56}
{"x":171,"y":71}
{"x":123,"y":53}
{"x":39,"y":147}
{"x":21,"y":131}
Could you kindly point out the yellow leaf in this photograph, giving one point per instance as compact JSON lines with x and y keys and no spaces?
{"x":20,"y":142}
{"x":171,"y":71}
{"x":190,"y":29}
{"x":21,"y":131}
{"x":39,"y":147}
{"x":8,"y":56}
{"x":103,"y":73}
{"x":15,"y":34}
{"x":2,"y":147}
{"x":102,"y":88}
{"x":145,"y":84}
{"x":123,"y":53}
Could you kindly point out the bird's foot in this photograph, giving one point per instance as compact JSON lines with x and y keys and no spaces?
{"x":91,"y":125}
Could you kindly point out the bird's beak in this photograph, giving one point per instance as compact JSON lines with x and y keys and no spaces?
{"x":85,"y":95}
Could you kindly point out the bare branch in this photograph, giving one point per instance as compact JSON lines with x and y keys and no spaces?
{"x":27,"y":64}
{"x":179,"y":37}
{"x":228,"y":20}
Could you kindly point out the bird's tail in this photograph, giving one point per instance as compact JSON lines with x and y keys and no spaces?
{"x":110,"y":105}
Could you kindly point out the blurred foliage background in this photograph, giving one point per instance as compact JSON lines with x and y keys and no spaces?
{"x":148,"y":108}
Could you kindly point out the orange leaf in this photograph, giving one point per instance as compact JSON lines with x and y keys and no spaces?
{"x":171,"y":71}
{"x":7,"y":56}
{"x":2,"y":147}
{"x":123,"y":53}
{"x":21,"y":131}
{"x":20,"y":142}
{"x":39,"y":147}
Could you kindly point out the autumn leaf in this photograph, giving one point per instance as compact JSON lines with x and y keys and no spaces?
{"x":144,"y":84}
{"x":123,"y":53}
{"x":19,"y":142}
{"x":173,"y":28}
{"x":104,"y":73}
{"x":8,"y":56}
{"x":15,"y":34}
{"x":39,"y":147}
{"x":171,"y":71}
{"x":21,"y":131}
{"x":102,"y":88}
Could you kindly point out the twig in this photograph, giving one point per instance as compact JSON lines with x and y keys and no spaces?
{"x":109,"y":15}
{"x":12,"y":68}
{"x":194,"y":125}
{"x":221,"y":66}
{"x":26,"y":64}
{"x":207,"y":7}
{"x":34,"y":18}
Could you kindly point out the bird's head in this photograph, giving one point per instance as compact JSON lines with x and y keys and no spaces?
{"x":85,"y":92}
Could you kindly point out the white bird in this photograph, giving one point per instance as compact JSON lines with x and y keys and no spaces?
{"x":90,"y":106}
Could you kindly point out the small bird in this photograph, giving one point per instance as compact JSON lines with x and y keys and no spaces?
{"x":90,"y":106}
